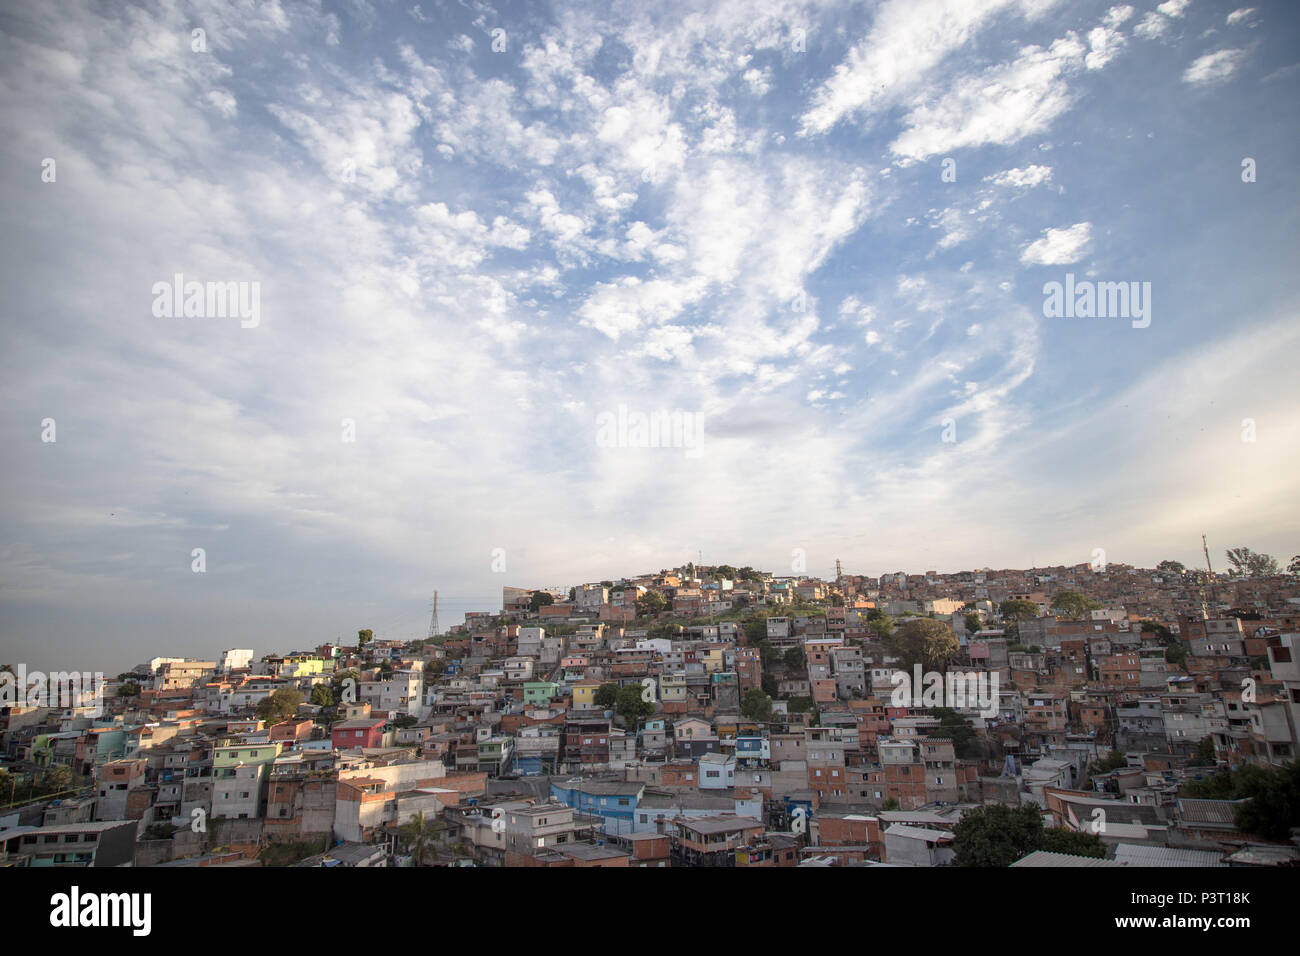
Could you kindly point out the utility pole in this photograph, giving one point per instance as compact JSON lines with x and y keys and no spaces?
{"x":1206,"y":548}
{"x":433,"y":621}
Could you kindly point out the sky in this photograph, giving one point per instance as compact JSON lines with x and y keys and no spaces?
{"x":478,"y":243}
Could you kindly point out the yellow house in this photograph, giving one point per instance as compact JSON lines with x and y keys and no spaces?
{"x":584,"y":693}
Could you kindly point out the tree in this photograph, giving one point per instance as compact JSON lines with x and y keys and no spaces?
{"x":650,"y":604}
{"x":365,"y":637}
{"x":794,"y":659}
{"x":1176,"y":654}
{"x":540,"y":599}
{"x":890,"y":804}
{"x":1171,"y":567}
{"x":606,"y":695}
{"x":1217,"y":786}
{"x":973,"y":622}
{"x":630,"y":706}
{"x":1073,"y":842}
{"x":322,"y":696}
{"x":1271,"y":796}
{"x":418,"y":835}
{"x":756,"y":705}
{"x":1017,"y":610}
{"x":1248,"y":563}
{"x":997,"y":835}
{"x":953,"y":726}
{"x":755,"y":630}
{"x":129,"y":689}
{"x":55,"y":780}
{"x":1294,"y":567}
{"x":281,"y":705}
{"x":769,"y":685}
{"x":921,"y":640}
{"x":340,"y":688}
{"x":1073,"y":605}
{"x":1162,"y":633}
{"x":1112,"y":761}
{"x":1273,"y":800}
{"x":1203,"y":755}
{"x":881,"y":626}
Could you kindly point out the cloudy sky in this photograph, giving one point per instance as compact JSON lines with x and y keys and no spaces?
{"x":821,"y":229}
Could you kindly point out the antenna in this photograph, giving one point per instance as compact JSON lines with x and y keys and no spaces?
{"x":433,"y":621}
{"x":1206,"y":548}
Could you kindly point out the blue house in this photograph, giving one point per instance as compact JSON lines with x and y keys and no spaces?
{"x":614,"y":801}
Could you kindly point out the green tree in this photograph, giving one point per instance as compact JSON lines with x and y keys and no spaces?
{"x":756,"y":705}
{"x":417,"y":834}
{"x":997,"y":835}
{"x":769,"y":685}
{"x":1271,"y":794}
{"x":890,"y":804}
{"x":280,"y":705}
{"x":54,"y":780}
{"x":322,"y":696}
{"x":1159,"y":630}
{"x":651,"y":603}
{"x":365,"y":637}
{"x":539,"y":599}
{"x":1016,"y":611}
{"x":1073,"y":605}
{"x":953,"y":726}
{"x":881,"y":626}
{"x":1073,"y":842}
{"x":1294,"y":567}
{"x":794,"y":659}
{"x":344,"y":684}
{"x":1203,"y":755}
{"x":630,"y":705}
{"x":606,"y":695}
{"x":924,"y":641}
{"x":129,"y":689}
{"x":1171,"y":567}
{"x":973,"y":622}
{"x":1248,"y":563}
{"x":1217,"y":786}
{"x":1112,"y":761}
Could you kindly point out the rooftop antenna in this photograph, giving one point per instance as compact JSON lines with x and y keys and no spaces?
{"x":433,"y":621}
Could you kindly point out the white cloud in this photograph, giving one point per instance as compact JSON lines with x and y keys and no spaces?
{"x":1002,"y":105}
{"x":1214,"y":67}
{"x":1244,"y":15}
{"x":908,"y":39}
{"x":1021,"y":178}
{"x":1153,"y":25}
{"x":1104,"y":45}
{"x":1059,"y":246}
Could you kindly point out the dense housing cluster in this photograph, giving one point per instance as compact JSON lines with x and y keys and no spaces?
{"x":704,"y":716}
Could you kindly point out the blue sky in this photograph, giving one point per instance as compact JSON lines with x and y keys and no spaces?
{"x":477,"y":228}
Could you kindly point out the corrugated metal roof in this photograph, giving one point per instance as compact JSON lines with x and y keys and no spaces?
{"x":1042,"y":858}
{"x":1135,"y":854}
